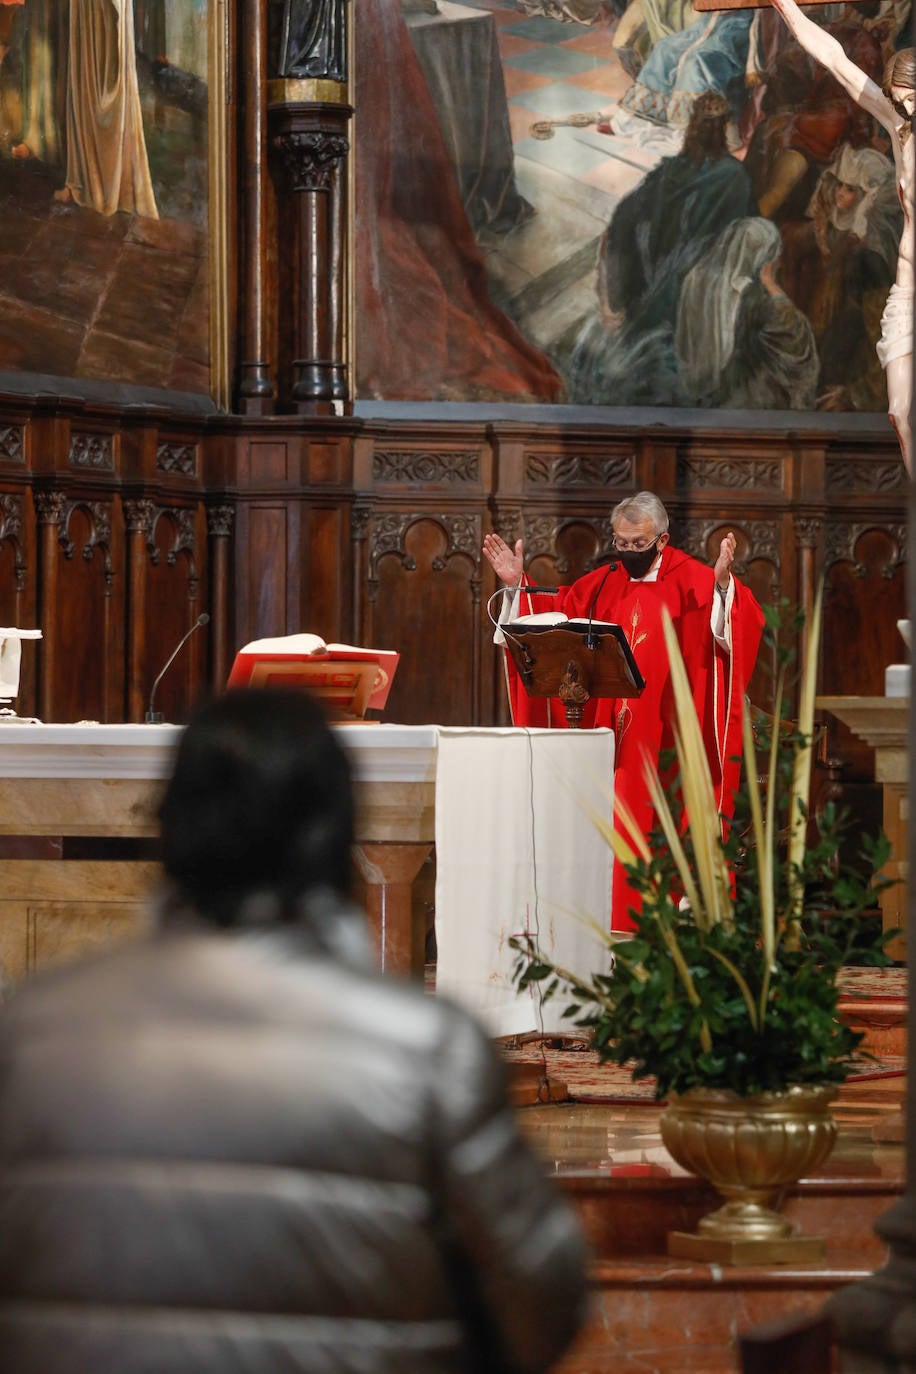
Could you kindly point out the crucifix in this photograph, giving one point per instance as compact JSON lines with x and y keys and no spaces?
{"x":893,"y":105}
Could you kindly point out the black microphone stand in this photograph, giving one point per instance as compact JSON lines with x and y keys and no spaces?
{"x":155,"y":717}
{"x":590,"y":642}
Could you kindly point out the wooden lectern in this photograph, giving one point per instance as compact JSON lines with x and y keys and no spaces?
{"x":574,"y":660}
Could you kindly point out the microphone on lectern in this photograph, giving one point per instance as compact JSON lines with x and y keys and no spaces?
{"x":155,"y":717}
{"x":590,"y":641}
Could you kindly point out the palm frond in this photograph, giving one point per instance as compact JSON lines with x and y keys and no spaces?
{"x":699,"y":795}
{"x":801,"y":772}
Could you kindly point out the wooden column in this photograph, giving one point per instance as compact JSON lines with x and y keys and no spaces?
{"x":138,"y":515}
{"x":310,"y":135}
{"x":219,"y":529}
{"x":50,"y":507}
{"x":255,"y":386}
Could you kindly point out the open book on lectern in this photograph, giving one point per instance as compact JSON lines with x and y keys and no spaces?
{"x":546,"y":645}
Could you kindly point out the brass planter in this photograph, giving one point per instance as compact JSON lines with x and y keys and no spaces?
{"x":750,"y":1149}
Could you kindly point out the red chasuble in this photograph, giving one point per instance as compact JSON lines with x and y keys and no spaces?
{"x":644,"y":724}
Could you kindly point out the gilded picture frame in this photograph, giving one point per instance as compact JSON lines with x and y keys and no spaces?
{"x":114,"y":200}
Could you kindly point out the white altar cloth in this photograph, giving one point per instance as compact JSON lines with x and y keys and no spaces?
{"x":516,"y":850}
{"x":377,"y":753}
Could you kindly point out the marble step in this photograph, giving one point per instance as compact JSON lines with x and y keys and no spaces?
{"x":629,"y":1212}
{"x":651,"y":1314}
{"x":655,"y":1316}
{"x":874,"y":1001}
{"x":881,"y":1021}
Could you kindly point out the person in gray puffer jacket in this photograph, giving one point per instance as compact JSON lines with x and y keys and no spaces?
{"x":234,"y":1148}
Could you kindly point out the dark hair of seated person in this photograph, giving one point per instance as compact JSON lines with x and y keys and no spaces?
{"x":259,"y":810}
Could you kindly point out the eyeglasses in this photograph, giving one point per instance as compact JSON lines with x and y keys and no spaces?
{"x":633,"y":545}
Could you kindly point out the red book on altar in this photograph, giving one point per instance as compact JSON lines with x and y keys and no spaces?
{"x":349,"y":680}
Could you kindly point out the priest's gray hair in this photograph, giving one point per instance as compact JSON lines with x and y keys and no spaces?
{"x":645,"y":505}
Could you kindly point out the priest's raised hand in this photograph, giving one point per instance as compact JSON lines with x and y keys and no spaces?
{"x":507,"y":563}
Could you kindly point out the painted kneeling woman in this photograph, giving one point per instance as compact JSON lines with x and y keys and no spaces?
{"x":892,"y":106}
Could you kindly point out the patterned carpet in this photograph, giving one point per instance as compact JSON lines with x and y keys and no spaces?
{"x":588,"y":1080}
{"x":874,"y":984}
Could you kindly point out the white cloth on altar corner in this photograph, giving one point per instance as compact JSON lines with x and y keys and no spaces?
{"x":517,"y":849}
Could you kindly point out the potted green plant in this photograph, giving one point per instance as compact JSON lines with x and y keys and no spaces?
{"x":726,"y":992}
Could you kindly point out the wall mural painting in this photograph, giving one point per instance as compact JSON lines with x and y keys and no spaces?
{"x":103,"y":190}
{"x":621,"y":204}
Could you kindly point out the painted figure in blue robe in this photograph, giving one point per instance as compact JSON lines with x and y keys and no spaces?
{"x":624,"y":354}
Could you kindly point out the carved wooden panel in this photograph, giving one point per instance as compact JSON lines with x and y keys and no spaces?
{"x":175,"y":456}
{"x":17,"y":593}
{"x":87,"y":617}
{"x":424,"y":600}
{"x":266,"y":571}
{"x":11,"y":544}
{"x":371,"y":532}
{"x":176,"y":564}
{"x":701,"y":472}
{"x":325,"y":602}
{"x":571,"y":469}
{"x":12,"y":443}
{"x":95,"y":452}
{"x":449,"y":468}
{"x":854,"y":475}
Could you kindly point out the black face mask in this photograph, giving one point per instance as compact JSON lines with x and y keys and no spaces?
{"x":638,"y":564}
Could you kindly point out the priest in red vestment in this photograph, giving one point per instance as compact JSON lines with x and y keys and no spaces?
{"x":718,"y":624}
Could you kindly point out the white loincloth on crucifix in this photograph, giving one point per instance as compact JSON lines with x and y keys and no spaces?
{"x":517,"y":850}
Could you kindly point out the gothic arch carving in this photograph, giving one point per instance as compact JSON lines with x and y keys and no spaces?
{"x":183,"y":541}
{"x":757,"y":540}
{"x":842,"y":536}
{"x":543,"y":536}
{"x":98,"y":514}
{"x":388,"y":533}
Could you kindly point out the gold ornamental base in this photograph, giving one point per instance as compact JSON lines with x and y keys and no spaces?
{"x":751,"y":1149}
{"x":721,"y":1250}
